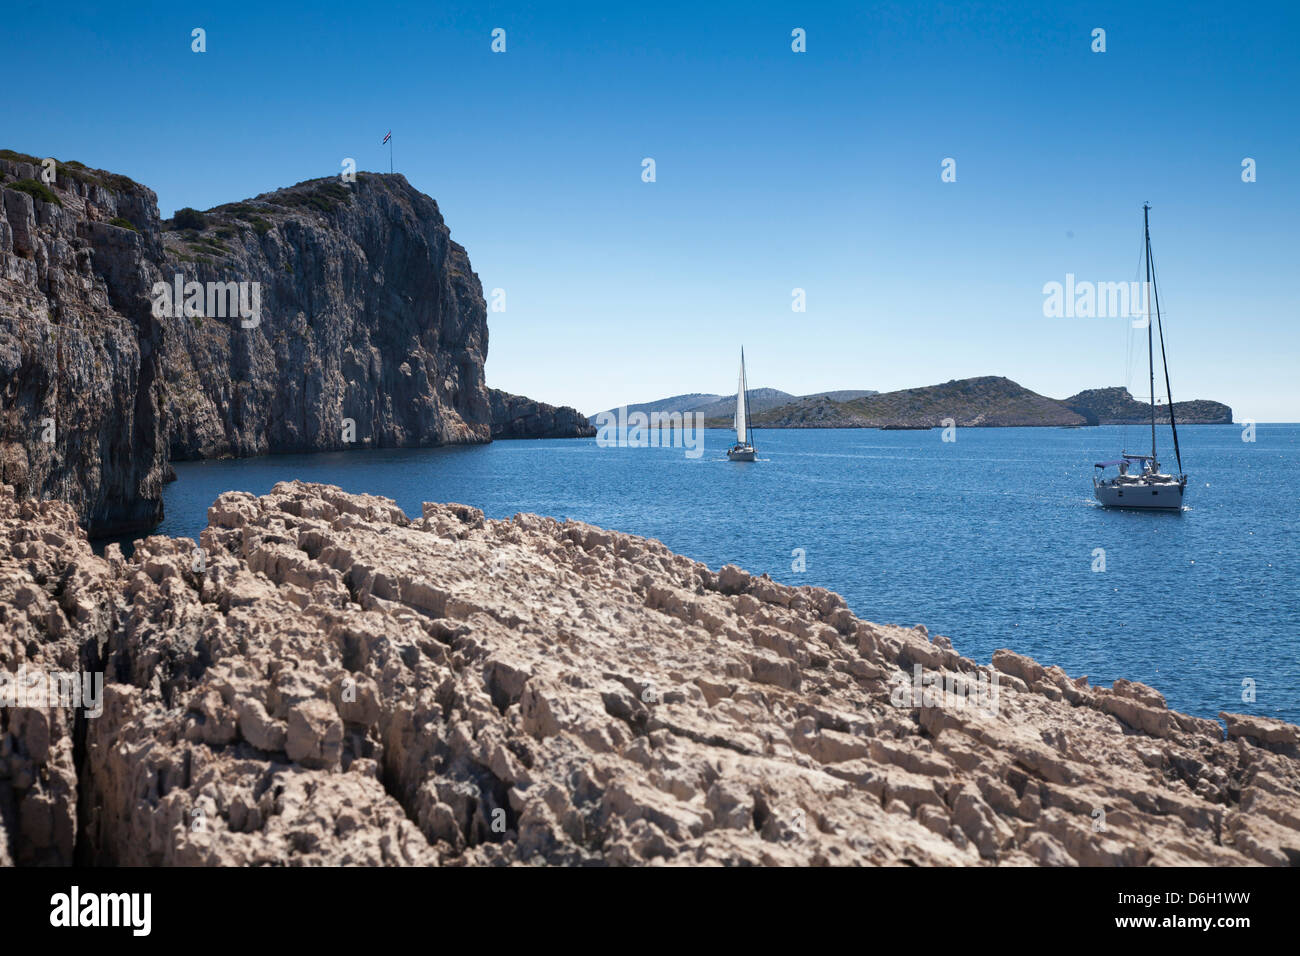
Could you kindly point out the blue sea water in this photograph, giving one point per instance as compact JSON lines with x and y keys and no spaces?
{"x":991,"y":539}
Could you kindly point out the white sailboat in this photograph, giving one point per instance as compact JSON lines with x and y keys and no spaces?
{"x":743,"y":449}
{"x":1150,"y":488}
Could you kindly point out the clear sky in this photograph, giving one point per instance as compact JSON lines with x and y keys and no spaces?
{"x":774,"y":170}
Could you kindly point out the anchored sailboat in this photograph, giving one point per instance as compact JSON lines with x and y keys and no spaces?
{"x":743,"y":449}
{"x":1150,"y":488}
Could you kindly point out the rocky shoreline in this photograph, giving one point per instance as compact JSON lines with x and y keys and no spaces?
{"x":326,"y":681}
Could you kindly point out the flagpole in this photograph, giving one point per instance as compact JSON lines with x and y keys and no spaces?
{"x":390,"y":154}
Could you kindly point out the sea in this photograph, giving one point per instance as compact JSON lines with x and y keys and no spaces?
{"x":992,"y":538}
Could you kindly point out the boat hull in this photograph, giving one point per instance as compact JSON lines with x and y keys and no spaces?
{"x":1160,"y":496}
{"x":741,"y":453}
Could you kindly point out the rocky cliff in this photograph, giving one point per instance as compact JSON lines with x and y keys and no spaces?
{"x":514,"y":416}
{"x":80,"y":352}
{"x":372,"y":328}
{"x":328,"y":681}
{"x":1115,"y":406}
{"x":327,"y":315}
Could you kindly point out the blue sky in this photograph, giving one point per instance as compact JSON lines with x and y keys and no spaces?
{"x":775,"y":170}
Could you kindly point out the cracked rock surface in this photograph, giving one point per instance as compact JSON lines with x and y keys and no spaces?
{"x":330,"y":682}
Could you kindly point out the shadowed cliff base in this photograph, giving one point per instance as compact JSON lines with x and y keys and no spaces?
{"x":334,"y":682}
{"x":320,"y":317}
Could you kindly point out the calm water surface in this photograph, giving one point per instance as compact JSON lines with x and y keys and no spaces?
{"x":990,"y":540}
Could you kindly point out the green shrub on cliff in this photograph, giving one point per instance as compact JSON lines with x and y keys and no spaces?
{"x":241,"y":211}
{"x":249,"y":214}
{"x":207,"y":243}
{"x":36,"y":190}
{"x":76,"y":171}
{"x":123,"y":223}
{"x":324,"y":198}
{"x":188,"y":218}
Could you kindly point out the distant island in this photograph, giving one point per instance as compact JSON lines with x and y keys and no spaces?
{"x":987,"y":402}
{"x":724,"y":406}
{"x":1115,"y":406}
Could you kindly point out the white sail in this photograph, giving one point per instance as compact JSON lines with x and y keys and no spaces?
{"x":742,"y":426}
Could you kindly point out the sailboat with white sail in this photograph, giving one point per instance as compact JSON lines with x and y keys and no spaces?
{"x":1150,"y":488}
{"x":743,"y":449}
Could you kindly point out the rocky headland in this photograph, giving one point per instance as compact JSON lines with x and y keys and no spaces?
{"x":1116,"y":406}
{"x":327,"y":681}
{"x":328,"y":316}
{"x":514,"y":416}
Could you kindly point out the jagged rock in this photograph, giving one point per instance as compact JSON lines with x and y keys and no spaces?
{"x":1276,"y":735}
{"x":258,"y":728}
{"x":1009,"y":662}
{"x":344,"y":685}
{"x":315,"y":736}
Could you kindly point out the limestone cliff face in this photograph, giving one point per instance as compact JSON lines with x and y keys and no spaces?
{"x":371,"y":331}
{"x":514,"y":416}
{"x":323,"y":316}
{"x":79,"y":348}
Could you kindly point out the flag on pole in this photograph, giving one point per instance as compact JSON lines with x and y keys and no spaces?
{"x":387,"y":137}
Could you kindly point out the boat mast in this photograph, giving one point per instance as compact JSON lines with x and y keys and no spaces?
{"x":744,"y":397}
{"x":1151,"y":359}
{"x":1164,"y":361}
{"x":748,"y":417}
